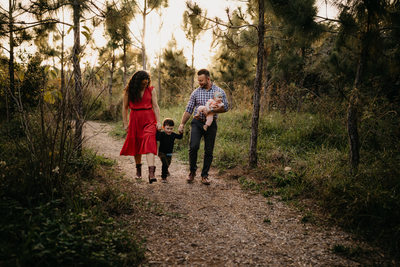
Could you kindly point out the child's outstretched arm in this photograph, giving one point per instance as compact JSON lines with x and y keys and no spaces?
{"x":179,"y":136}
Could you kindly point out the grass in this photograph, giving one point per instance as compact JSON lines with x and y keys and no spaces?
{"x":304,"y":155}
{"x":63,"y":221}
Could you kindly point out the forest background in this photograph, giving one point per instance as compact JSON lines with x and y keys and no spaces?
{"x":314,"y":114}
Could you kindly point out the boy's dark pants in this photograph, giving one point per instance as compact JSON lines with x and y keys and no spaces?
{"x":166,"y":161}
{"x":209,"y":140}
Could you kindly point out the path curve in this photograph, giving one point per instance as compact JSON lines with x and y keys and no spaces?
{"x":220,"y":224}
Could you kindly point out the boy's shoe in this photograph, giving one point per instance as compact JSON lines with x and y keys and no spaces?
{"x":191,"y":177}
{"x":163,"y":180}
{"x":205,"y":181}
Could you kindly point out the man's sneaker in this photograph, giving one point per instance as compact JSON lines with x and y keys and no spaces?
{"x":191,"y":177}
{"x":204,"y":180}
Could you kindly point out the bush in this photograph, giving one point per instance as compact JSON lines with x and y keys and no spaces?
{"x":314,"y":146}
{"x":52,"y":219}
{"x":51,"y":235}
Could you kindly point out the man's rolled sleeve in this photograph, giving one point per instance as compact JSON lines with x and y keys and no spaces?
{"x":225,"y":100}
{"x":191,"y":104}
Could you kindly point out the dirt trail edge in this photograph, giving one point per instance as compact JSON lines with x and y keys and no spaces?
{"x":220,"y":224}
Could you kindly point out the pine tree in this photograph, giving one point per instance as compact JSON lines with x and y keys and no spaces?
{"x":175,"y":71}
{"x":145,"y":8}
{"x":357,"y":59}
{"x":15,"y":31}
{"x":194,"y":23}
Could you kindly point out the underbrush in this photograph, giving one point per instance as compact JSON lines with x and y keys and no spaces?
{"x":304,"y":155}
{"x":61,"y":218}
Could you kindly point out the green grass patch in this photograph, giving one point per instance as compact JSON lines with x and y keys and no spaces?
{"x":63,"y":220}
{"x":305,"y":155}
{"x":314,"y":147}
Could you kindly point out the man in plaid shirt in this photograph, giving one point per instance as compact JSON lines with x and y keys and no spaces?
{"x":199,"y":97}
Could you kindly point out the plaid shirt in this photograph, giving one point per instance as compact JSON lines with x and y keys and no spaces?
{"x":200,"y":96}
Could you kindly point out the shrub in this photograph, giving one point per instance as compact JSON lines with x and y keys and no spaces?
{"x":48,"y":218}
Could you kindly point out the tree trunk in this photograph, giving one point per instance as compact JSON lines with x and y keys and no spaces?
{"x":110,"y":83}
{"x":64,"y":116}
{"x":266,"y":92}
{"x":144,"y":35}
{"x":352,"y":131}
{"x":282,"y":94}
{"x":11,"y":40}
{"x":257,"y":87}
{"x":354,"y":106}
{"x":62,"y":64}
{"x":77,"y":78}
{"x":352,"y":122}
{"x":124,"y":78}
{"x":159,"y":76}
{"x":192,"y":81}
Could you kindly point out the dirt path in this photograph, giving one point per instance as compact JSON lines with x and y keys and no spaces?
{"x":220,"y":224}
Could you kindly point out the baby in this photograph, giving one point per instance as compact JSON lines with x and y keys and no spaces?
{"x":207,"y":110}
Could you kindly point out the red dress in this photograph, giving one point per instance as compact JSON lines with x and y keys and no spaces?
{"x":141,"y":137}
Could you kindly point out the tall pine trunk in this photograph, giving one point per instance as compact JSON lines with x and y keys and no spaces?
{"x":159,"y":76}
{"x":257,"y":87}
{"x":124,"y":78}
{"x":144,"y":35}
{"x":11,"y":92}
{"x":266,"y":92}
{"x":77,"y":78}
{"x":64,"y":117}
{"x":352,"y":121}
{"x":354,"y":107}
{"x":110,"y":82}
{"x":192,"y":81}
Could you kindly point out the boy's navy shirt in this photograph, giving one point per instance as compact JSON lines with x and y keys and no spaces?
{"x":167,"y":141}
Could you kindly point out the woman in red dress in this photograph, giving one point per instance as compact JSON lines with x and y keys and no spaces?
{"x":144,"y":120}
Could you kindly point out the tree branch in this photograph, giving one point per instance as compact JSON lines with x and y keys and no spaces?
{"x":43,"y":22}
{"x":5,"y":48}
{"x":217,"y":21}
{"x":34,"y":24}
{"x":327,"y":19}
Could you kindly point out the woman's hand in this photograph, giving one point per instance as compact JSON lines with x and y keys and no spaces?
{"x":126,"y":127}
{"x":159,"y":127}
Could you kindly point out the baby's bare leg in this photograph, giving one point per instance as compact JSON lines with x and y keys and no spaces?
{"x":209,"y":120}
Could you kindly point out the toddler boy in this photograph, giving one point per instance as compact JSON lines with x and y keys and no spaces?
{"x":167,"y":139}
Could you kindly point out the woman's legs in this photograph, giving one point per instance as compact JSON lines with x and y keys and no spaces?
{"x":150,"y":159}
{"x":138,"y":161}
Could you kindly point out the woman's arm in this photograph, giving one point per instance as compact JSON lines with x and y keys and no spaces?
{"x":125,"y":106}
{"x":156,"y":108}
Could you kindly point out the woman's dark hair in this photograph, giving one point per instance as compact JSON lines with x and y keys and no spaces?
{"x":134,"y":85}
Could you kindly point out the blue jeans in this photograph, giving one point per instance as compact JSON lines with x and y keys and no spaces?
{"x":197,"y":132}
